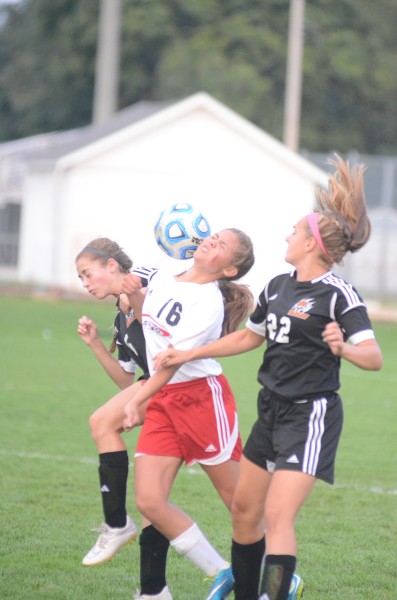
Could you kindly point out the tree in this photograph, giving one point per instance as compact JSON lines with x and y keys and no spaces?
{"x":232,"y":49}
{"x":47,"y":52}
{"x":350,"y":77}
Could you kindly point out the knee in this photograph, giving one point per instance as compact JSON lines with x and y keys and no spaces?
{"x":98,"y":424}
{"x":235,"y":510}
{"x":274,"y":517}
{"x":247,"y":519}
{"x":146,"y":504}
{"x":246,"y":510}
{"x":227,"y":498}
{"x":241,"y":512}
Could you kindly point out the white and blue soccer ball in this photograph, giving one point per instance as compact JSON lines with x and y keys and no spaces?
{"x":180,"y":229}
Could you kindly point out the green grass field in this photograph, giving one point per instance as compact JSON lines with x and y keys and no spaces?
{"x":49,"y":385}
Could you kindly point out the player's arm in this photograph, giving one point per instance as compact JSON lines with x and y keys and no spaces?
{"x":237,"y":342}
{"x":366,"y":354}
{"x":154,"y":384}
{"x":132,"y":287}
{"x":88,"y":332}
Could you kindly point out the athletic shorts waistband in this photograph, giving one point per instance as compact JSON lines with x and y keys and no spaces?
{"x":298,"y":399}
{"x":180,"y":385}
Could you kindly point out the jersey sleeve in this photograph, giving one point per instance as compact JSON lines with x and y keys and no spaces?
{"x":145,"y":274}
{"x":257,"y":320}
{"x":351,"y":314}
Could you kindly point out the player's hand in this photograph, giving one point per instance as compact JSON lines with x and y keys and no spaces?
{"x":333,"y":336}
{"x":131,"y":284}
{"x":132,"y":417}
{"x":170,"y":358}
{"x":124,"y":303}
{"x":87,"y":330}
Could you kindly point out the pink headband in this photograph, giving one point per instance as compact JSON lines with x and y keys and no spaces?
{"x":313,"y":222}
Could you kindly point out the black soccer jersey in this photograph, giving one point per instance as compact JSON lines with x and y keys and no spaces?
{"x":292,"y":316}
{"x":130,"y":340}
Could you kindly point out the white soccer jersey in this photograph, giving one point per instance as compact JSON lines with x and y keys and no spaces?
{"x":186,"y":315}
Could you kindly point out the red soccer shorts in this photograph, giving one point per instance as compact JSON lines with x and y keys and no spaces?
{"x":193,"y":420}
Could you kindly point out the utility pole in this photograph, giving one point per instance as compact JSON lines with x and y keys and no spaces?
{"x":107,"y":68}
{"x":293,"y":91}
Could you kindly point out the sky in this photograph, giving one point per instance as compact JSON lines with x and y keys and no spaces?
{"x":4,"y":3}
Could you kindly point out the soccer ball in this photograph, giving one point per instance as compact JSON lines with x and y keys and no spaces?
{"x":180,"y":229}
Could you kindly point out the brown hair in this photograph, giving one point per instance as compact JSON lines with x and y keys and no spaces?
{"x":101,"y":249}
{"x":237,"y":298}
{"x":238,"y":303}
{"x":342,"y":218}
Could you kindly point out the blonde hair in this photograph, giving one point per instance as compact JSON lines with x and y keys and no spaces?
{"x":237,"y":298}
{"x":343,"y":220}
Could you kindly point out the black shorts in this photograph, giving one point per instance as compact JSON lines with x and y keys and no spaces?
{"x":297,"y":436}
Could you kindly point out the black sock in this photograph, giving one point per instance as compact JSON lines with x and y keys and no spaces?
{"x":277,"y":576}
{"x":154,"y":548}
{"x":113,"y":475}
{"x":246,"y":564}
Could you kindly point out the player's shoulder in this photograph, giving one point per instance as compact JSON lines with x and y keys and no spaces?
{"x":276,"y":283}
{"x":281,"y":278}
{"x":339,"y":284}
{"x":145,"y":273}
{"x":345,"y":293}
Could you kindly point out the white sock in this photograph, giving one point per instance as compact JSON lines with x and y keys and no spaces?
{"x":196,"y":547}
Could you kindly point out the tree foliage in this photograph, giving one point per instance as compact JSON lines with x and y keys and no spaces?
{"x":233,"y":49}
{"x":47,"y":52}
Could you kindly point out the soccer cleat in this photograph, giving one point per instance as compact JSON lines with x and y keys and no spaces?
{"x":297,"y":588}
{"x":222,"y":585}
{"x":165,"y":594}
{"x":111,"y":540}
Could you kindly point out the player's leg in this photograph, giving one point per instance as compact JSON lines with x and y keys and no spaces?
{"x":248,"y":545}
{"x":154,"y":476}
{"x":286,"y":495}
{"x":224,"y":478}
{"x":106,"y":423}
{"x":212,"y":439}
{"x":153,"y":547}
{"x":153,"y":479}
{"x":308,"y":431}
{"x":118,"y":529}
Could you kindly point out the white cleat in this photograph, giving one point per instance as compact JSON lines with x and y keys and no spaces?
{"x":165,"y":594}
{"x":111,"y":540}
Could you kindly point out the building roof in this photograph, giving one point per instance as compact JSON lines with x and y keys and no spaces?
{"x":54,"y":145}
{"x":72,"y":147}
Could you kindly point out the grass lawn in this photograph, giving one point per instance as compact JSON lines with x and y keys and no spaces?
{"x":49,"y":385}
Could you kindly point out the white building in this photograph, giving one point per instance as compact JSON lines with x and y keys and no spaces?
{"x":113,"y":180}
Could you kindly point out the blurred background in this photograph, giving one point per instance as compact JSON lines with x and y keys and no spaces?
{"x":112,"y":109}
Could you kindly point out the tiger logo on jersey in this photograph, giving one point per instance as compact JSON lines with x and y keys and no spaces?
{"x":301,"y":308}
